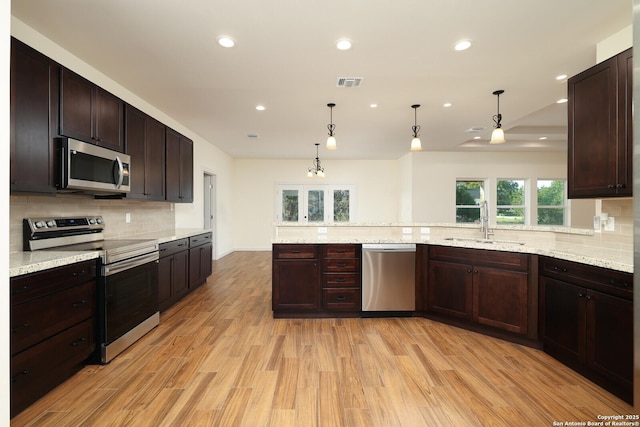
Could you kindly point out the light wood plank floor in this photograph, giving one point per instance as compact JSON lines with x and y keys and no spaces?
{"x":218,"y":358}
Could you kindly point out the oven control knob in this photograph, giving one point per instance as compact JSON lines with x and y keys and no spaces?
{"x":92,"y":221}
{"x":40,"y":224}
{"x":99,"y":220}
{"x":51,"y":223}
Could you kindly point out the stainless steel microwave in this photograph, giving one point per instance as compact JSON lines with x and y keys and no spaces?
{"x":88,"y":168}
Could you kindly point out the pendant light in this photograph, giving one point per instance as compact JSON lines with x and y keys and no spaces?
{"x":497,"y":136}
{"x":416,"y":145}
{"x":331,"y":141}
{"x":317,"y":169}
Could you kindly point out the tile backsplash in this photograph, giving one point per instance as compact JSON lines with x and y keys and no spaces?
{"x":145,"y":216}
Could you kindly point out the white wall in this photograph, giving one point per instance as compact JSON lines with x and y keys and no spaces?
{"x":254,"y":186}
{"x":207,"y":157}
{"x":435,"y":175}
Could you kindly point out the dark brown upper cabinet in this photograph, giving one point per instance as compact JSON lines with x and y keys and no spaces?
{"x":179,"y":155}
{"x":144,"y":138}
{"x":600,"y":129}
{"x":89,"y":113}
{"x":34,"y":118}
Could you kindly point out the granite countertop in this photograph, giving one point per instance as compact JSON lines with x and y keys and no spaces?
{"x":624,"y":263}
{"x":25,"y":262}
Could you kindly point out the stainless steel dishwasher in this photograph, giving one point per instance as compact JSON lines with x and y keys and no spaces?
{"x":388,"y":278}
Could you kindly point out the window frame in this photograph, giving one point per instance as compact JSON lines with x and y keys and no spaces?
{"x":303,"y":202}
{"x":483,"y":196}
{"x":525,"y":199}
{"x":564,"y":206}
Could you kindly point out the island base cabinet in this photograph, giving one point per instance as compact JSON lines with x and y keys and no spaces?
{"x":500,"y":299}
{"x":322,"y":280}
{"x":493,"y":291}
{"x":297,"y":286}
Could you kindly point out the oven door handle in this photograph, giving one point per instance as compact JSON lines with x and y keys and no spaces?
{"x":128,"y":264}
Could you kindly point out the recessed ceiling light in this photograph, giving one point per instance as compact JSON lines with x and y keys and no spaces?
{"x":562,"y":100}
{"x":447,"y":104}
{"x":462,"y":45}
{"x":343,"y":44}
{"x":561,"y":77}
{"x":226,"y":41}
{"x":542,"y":138}
{"x":373,"y":105}
{"x":260,"y":107}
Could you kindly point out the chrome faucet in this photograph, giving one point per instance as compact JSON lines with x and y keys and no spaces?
{"x":484,"y":219}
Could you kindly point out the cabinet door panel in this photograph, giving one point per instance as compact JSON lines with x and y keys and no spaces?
{"x":154,"y":160}
{"x":180,"y":274}
{"x":500,"y":299}
{"x":108,"y":126}
{"x":297,"y":285}
{"x":450,"y":289}
{"x":610,"y":336}
{"x":135,"y":147}
{"x":563,"y":319}
{"x":165,"y":267}
{"x":34,"y":95}
{"x":625,"y":123}
{"x":76,"y":106}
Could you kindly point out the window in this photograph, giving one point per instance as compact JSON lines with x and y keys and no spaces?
{"x":317,"y":203}
{"x":469,"y":195}
{"x":551,"y":202}
{"x":511,"y":205}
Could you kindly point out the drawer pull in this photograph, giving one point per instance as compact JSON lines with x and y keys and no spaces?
{"x":341,"y":264}
{"x":17,"y":328}
{"x":341,"y":279}
{"x":341,"y":251}
{"x":80,"y":273}
{"x":618,"y":284}
{"x":78,"y":304}
{"x":20,"y":291}
{"x":15,"y":378}
{"x":296,"y":251}
{"x":580,"y":294}
{"x":561,"y":269}
{"x":341,"y":298}
{"x":77,"y":342}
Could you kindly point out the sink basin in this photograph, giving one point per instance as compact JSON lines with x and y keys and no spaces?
{"x":487,"y":241}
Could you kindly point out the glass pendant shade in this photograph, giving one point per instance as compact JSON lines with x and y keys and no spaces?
{"x":497,"y":136}
{"x":331,"y":143}
{"x":416,"y":144}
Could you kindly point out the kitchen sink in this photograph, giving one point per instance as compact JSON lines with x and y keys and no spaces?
{"x":487,"y":241}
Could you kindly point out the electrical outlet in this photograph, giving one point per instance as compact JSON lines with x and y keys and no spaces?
{"x":425,"y":230}
{"x":322,"y":230}
{"x":407,"y":230}
{"x":127,"y":217}
{"x":610,"y":225}
{"x":596,"y":224}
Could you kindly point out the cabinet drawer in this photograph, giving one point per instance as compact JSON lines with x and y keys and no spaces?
{"x":30,"y":286}
{"x":170,"y":248}
{"x":38,"y":319}
{"x":481,"y":257}
{"x":613,"y":282}
{"x":200,"y":239}
{"x":339,"y":265}
{"x":341,"y":299}
{"x":39,"y":369}
{"x":340,"y":251}
{"x":295,"y":251}
{"x":341,"y":280}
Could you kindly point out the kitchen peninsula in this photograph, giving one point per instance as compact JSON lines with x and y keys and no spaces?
{"x":548,"y":287}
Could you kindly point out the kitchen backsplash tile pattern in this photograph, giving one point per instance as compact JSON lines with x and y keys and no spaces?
{"x":144,"y":216}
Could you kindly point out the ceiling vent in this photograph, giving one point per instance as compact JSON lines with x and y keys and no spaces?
{"x":349,"y":81}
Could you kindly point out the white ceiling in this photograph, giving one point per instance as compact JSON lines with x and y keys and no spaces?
{"x":285,"y":58}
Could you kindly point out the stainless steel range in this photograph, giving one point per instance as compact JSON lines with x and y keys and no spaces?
{"x":127,"y":279}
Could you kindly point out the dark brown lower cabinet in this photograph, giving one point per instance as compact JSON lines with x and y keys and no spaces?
{"x":589,"y":330}
{"x":52,"y":329}
{"x":488,"y":288}
{"x":316,"y":280}
{"x":173,"y":272}
{"x":200,"y":259}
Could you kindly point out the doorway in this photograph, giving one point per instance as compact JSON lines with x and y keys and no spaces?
{"x":209,"y":208}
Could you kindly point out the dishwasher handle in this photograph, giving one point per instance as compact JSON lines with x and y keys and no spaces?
{"x":389,"y":247}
